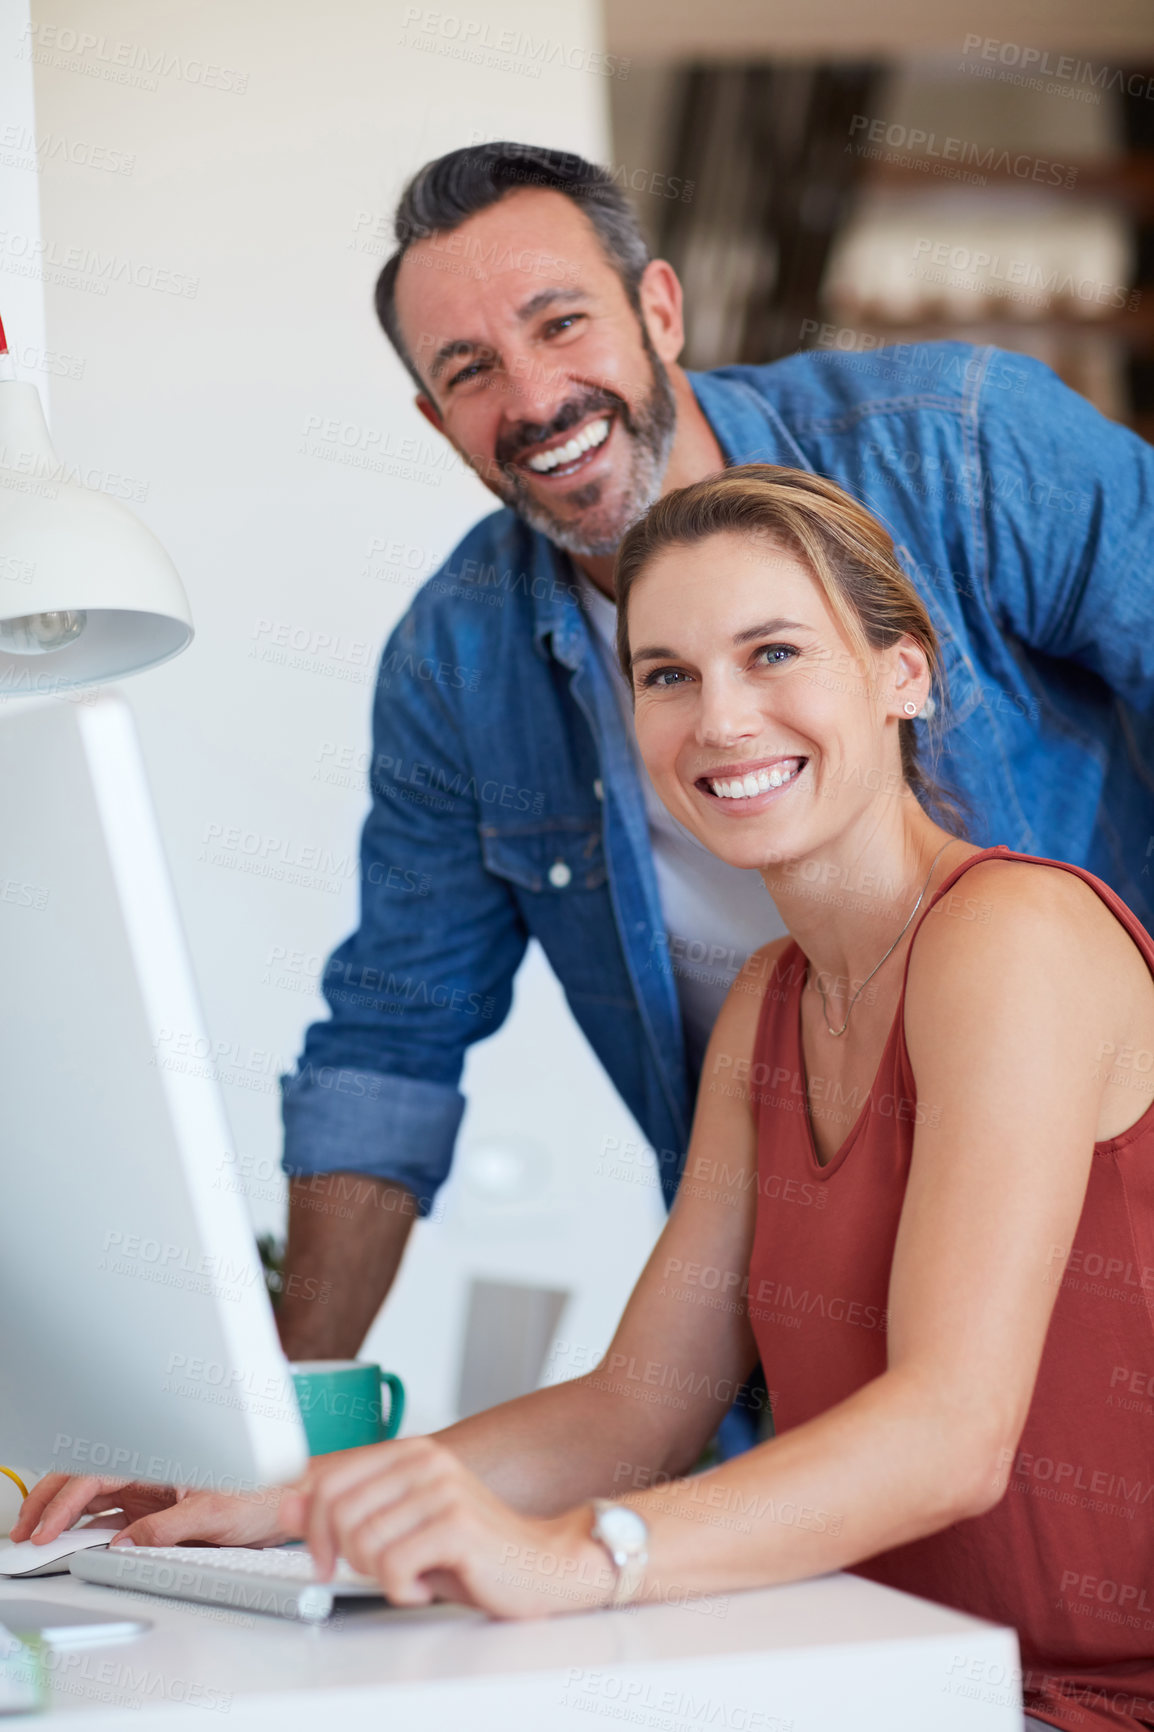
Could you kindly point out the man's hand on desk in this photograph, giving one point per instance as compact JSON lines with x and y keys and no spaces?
{"x":153,"y":1515}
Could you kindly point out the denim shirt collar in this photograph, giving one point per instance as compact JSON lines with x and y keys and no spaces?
{"x":559,"y":611}
{"x":749,"y":430}
{"x":745,"y":423}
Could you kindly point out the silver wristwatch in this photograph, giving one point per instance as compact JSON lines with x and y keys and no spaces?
{"x":625,"y":1537}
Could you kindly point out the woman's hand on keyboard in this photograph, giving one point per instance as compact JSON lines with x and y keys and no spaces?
{"x":153,"y":1515}
{"x":412,"y":1516}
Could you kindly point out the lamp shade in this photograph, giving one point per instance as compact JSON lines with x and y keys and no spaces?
{"x":113,"y":600}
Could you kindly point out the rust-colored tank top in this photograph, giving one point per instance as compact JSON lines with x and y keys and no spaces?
{"x":1067,"y":1556}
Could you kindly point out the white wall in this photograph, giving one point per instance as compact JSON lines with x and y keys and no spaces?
{"x":216,"y":185}
{"x":22,"y":306}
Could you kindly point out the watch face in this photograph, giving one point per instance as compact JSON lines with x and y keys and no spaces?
{"x":623,"y":1528}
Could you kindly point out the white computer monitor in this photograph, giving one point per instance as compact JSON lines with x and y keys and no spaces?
{"x":136,"y":1332}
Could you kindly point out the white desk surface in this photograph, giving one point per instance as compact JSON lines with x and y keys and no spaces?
{"x":836,"y":1654}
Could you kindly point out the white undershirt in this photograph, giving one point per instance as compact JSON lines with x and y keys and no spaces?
{"x":715,"y":915}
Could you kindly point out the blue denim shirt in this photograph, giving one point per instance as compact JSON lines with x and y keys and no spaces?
{"x":505,"y":800}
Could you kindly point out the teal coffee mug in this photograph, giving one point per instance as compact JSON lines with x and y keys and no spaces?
{"x":340,"y":1403}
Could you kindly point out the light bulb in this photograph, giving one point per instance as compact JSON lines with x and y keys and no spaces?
{"x":38,"y":634}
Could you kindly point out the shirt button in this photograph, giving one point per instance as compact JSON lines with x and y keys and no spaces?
{"x":559,"y":875}
{"x":599,"y":788}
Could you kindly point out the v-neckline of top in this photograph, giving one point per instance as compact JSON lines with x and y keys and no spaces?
{"x":837,"y":1159}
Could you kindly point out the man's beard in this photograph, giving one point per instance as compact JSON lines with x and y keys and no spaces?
{"x":597,"y":530}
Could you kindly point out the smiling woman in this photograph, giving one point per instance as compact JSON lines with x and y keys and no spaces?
{"x":930,"y":1213}
{"x":804,"y":521}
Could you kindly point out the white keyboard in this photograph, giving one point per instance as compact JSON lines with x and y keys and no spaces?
{"x":280,"y":1580}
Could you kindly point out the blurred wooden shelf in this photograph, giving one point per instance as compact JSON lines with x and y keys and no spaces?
{"x":1127,"y":180}
{"x":1134,"y":330}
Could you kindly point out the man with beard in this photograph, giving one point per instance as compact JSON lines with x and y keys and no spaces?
{"x":508,"y":801}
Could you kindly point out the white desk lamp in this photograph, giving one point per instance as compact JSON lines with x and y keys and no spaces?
{"x":87,"y":593}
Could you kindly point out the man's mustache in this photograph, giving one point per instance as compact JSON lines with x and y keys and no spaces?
{"x":528,"y":434}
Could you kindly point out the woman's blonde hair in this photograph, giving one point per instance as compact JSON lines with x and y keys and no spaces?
{"x":849,"y":553}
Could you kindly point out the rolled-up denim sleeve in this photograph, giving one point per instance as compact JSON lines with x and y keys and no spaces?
{"x":391,"y":1127}
{"x":430,"y":967}
{"x":1065,"y":504}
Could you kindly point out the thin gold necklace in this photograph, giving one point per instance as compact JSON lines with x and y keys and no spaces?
{"x":838,"y":1032}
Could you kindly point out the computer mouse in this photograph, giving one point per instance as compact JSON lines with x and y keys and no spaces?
{"x":22,"y":1558}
